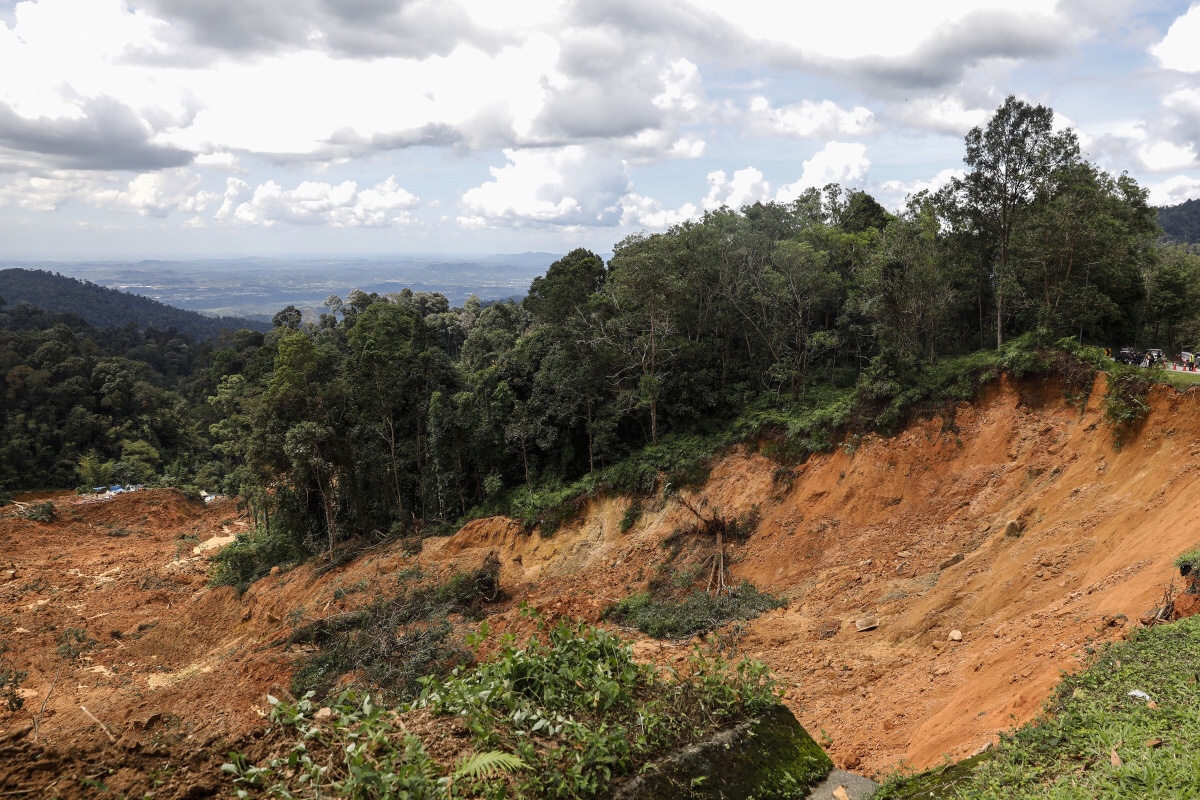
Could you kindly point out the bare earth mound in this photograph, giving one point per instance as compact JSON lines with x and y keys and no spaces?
{"x":975,"y":617}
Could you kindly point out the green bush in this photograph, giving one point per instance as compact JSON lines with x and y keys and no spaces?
{"x":1125,"y":401}
{"x":1188,"y":562}
{"x":562,"y":717}
{"x":40,"y":512}
{"x":696,"y":612}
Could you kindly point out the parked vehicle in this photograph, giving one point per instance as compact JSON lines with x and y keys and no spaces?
{"x":1128,"y":355}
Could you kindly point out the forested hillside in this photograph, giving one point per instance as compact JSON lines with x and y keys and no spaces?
{"x":401,"y":415}
{"x":80,"y":404}
{"x":1181,"y":222}
{"x":110,"y":308}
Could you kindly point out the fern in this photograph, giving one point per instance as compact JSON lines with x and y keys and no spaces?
{"x":488,"y":765}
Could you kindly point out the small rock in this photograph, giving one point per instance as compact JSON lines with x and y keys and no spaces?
{"x":323,"y":713}
{"x":147,"y":721}
{"x":942,"y":671}
{"x":956,"y":636}
{"x":275,"y":570}
{"x":903,"y":554}
{"x":866,"y":623}
{"x":1012,"y":529}
{"x":271,"y":618}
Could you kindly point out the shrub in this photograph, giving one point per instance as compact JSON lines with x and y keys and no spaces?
{"x":11,"y":679}
{"x":1125,"y":401}
{"x":40,"y":512}
{"x":562,"y":717}
{"x":696,"y":612}
{"x":1188,"y":562}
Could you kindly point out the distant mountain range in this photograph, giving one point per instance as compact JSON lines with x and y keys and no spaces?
{"x":110,"y":308}
{"x":1181,"y":222}
{"x":256,"y":288}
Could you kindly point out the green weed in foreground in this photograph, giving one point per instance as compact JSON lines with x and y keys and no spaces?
{"x":562,"y":717}
{"x":1095,"y":740}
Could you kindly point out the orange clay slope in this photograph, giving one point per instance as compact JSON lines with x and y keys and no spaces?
{"x":910,"y":530}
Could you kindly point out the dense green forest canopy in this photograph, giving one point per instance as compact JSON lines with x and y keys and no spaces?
{"x":110,"y":308}
{"x":1181,"y":222}
{"x":400,"y":415}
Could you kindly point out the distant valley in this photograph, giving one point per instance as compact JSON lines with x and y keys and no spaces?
{"x":256,"y":288}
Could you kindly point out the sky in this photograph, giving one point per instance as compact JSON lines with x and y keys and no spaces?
{"x":228,"y":128}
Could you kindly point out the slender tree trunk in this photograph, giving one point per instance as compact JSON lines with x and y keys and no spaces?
{"x":591,"y":450}
{"x":999,"y":315}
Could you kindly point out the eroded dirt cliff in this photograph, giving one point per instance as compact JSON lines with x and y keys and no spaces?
{"x":910,"y":530}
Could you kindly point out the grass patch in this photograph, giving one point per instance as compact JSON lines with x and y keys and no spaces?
{"x":696,"y":612}
{"x":1094,"y":738}
{"x":562,"y":717}
{"x":1181,"y":380}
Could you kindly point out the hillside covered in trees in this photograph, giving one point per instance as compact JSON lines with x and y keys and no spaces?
{"x":401,"y":415}
{"x":110,"y":308}
{"x":1181,"y":222}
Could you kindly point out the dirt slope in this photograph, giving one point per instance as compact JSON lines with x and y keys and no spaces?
{"x":910,"y":530}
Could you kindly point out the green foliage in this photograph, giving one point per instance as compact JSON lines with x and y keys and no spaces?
{"x":362,"y":752}
{"x":1181,"y":222}
{"x":1188,"y":562}
{"x":40,"y":512}
{"x":633,"y":513}
{"x":563,"y":717}
{"x":579,"y":711}
{"x":696,"y":612}
{"x":397,"y":639}
{"x":73,"y":643}
{"x":94,"y":471}
{"x":1094,"y":738}
{"x":11,"y":679}
{"x":251,"y":555}
{"x":1125,"y":401}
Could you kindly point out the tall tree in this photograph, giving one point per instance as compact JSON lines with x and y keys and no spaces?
{"x":1010,"y":161}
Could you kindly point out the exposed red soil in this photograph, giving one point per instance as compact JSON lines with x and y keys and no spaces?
{"x":179,"y":671}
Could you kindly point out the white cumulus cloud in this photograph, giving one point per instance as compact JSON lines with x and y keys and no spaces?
{"x":838,"y":162}
{"x":316,"y":203}
{"x":552,"y":186}
{"x":155,"y":194}
{"x":746,"y":187}
{"x":1180,"y":48}
{"x":807,"y":119}
{"x":1174,"y":191}
{"x":893,"y":193}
